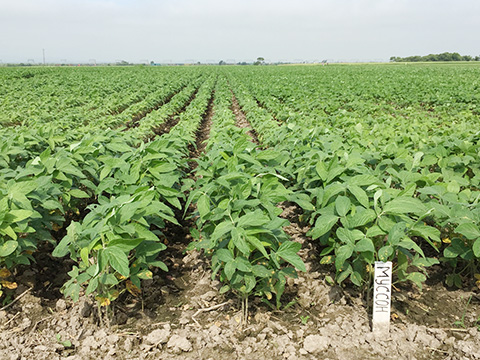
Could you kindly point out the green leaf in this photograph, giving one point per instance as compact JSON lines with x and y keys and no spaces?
{"x":323,"y":224}
{"x":426,"y":232}
{"x":321,"y":170}
{"x":8,"y":248}
{"x":424,"y":262}
{"x":203,"y":205}
{"x":7,"y":230}
{"x":105,"y":172}
{"x":261,"y":271}
{"x":288,"y":252}
{"x":238,"y":239}
{"x":343,"y":273}
{"x":73,"y":231}
{"x":224,"y":255}
{"x":243,"y":264}
{"x":250,"y":283}
{"x":409,"y":244}
{"x":343,"y":253}
{"x":356,"y":278}
{"x":143,"y":233}
{"x":457,"y":248}
{"x":92,"y":286}
{"x":84,"y":256}
{"x":224,"y":289}
{"x":159,"y":264}
{"x":476,"y":248}
{"x":385,"y":252}
{"x":361,"y":218}
{"x":267,"y":155}
{"x":118,"y":260}
{"x":469,"y":230}
{"x":359,"y":194}
{"x":221,"y":229}
{"x":405,"y":205}
{"x":257,"y":244}
{"x":125,"y":244}
{"x":19,"y":215}
{"x":375,"y":231}
{"x":453,"y":187}
{"x":69,"y":169}
{"x":150,"y":248}
{"x":79,"y":194}
{"x":118,"y":147}
{"x":349,"y":236}
{"x":332,"y":190}
{"x":396,"y":233}
{"x":417,"y":278}
{"x":342,"y":205}
{"x":365,"y":245}
{"x":229,"y":269}
{"x":255,"y":218}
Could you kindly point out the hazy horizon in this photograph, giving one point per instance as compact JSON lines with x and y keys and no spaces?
{"x":180,"y":31}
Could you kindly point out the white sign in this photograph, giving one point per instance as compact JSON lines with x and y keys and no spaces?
{"x":382,"y":296}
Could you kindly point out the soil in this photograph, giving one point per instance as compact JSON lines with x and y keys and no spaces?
{"x":165,"y":127}
{"x":135,"y":121}
{"x":180,"y":315}
{"x":241,"y":120}
{"x":203,"y":132}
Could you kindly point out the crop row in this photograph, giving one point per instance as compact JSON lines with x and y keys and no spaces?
{"x":102,"y":199}
{"x":385,"y":172}
{"x":236,"y":193}
{"x":381,"y":198}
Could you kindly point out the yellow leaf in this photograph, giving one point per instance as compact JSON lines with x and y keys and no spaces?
{"x":447,"y":241}
{"x":132,"y":289}
{"x":145,"y":274}
{"x":8,"y":284}
{"x":477,"y":276}
{"x":103,"y":301}
{"x":56,"y":227}
{"x":113,"y":295}
{"x":4,"y":273}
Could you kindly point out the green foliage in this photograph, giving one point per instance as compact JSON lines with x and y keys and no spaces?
{"x":379,"y":175}
{"x":382,"y":160}
{"x":236,"y":196}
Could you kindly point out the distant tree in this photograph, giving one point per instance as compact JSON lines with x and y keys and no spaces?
{"x":431,"y":57}
{"x":221,"y":62}
{"x":446,"y":56}
{"x":260,"y":61}
{"x":477,"y":58}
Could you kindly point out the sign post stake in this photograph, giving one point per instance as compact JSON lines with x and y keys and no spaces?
{"x":382,"y":297}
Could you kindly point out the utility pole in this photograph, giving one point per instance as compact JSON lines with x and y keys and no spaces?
{"x":43,"y":56}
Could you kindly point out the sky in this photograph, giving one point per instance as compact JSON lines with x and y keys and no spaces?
{"x":234,"y":30}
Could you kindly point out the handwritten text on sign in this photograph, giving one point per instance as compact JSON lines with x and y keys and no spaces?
{"x":382,"y":294}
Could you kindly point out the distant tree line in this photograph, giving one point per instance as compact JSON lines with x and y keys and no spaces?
{"x":446,"y":56}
